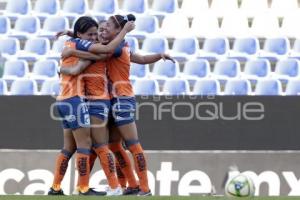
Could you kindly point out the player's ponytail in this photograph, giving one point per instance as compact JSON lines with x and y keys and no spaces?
{"x":120,"y":20}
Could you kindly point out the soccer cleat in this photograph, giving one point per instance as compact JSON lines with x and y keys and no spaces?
{"x":141,"y":193}
{"x":55,"y":192}
{"x":131,"y":191}
{"x":114,"y":192}
{"x":92,"y":192}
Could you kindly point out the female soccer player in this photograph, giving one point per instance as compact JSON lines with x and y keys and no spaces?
{"x":72,"y":108}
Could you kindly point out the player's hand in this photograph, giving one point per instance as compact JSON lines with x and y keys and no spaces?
{"x":62,"y":33}
{"x":129,"y":26}
{"x":167,"y":57}
{"x":67,"y":52}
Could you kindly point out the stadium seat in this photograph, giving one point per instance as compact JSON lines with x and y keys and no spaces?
{"x":44,"y":9}
{"x":157,"y":44}
{"x":163,"y":8}
{"x":275,"y":48}
{"x":73,"y":10}
{"x":207,"y":87}
{"x":265,"y":25}
{"x":293,"y":87}
{"x":257,"y":69}
{"x":237,"y":87}
{"x":192,"y":8}
{"x":145,"y":26}
{"x":253,"y":8}
{"x":15,"y":69}
{"x":195,"y":69}
{"x":43,"y":70}
{"x":226,"y":69}
{"x":139,"y":70}
{"x":52,"y":25}
{"x":268,"y":87}
{"x":104,"y":8}
{"x":214,"y":49}
{"x":9,"y":47}
{"x":244,"y":49}
{"x":133,"y":44}
{"x":3,"y":87}
{"x":281,"y":7}
{"x":289,"y":25}
{"x":221,"y":8}
{"x":35,"y":49}
{"x":23,"y":87}
{"x":235,"y":25}
{"x":174,"y":26}
{"x":146,"y":87}
{"x":15,"y":9}
{"x":50,"y":87}
{"x":163,"y":70}
{"x":205,"y":25}
{"x":287,"y":69}
{"x":26,"y":27}
{"x":176,"y":87}
{"x":185,"y":48}
{"x":135,"y":6}
{"x":4,"y":26}
{"x":57,"y":48}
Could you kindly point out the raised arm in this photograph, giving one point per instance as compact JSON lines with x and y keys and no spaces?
{"x":67,"y":52}
{"x":75,"y":70}
{"x":109,"y":48}
{"x":148,"y":59}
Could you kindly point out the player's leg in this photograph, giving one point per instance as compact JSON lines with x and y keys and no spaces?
{"x":123,"y":114}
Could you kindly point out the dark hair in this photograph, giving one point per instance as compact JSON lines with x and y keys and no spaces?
{"x":120,"y":20}
{"x":83,"y":24}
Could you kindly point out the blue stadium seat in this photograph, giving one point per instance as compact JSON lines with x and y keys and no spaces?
{"x":244,"y":49}
{"x":194,"y":69}
{"x":15,"y":69}
{"x":72,"y":10}
{"x":256,"y":69}
{"x":146,"y":87}
{"x":237,"y":87}
{"x":214,"y":49}
{"x":35,"y":49}
{"x":3,"y":87}
{"x":4,"y":26}
{"x":23,"y":87}
{"x":50,"y":87}
{"x":145,"y":25}
{"x":293,"y":87}
{"x":104,"y":8}
{"x":135,"y":6}
{"x":268,"y":87}
{"x":139,"y":70}
{"x":26,"y":27}
{"x":44,"y":69}
{"x":52,"y":25}
{"x":9,"y":47}
{"x":226,"y":69}
{"x":15,"y":9}
{"x":207,"y":87}
{"x":162,"y":8}
{"x":163,"y":70}
{"x":275,"y":48}
{"x":158,"y":44}
{"x":185,"y":49}
{"x":133,"y":43}
{"x":57,"y":48}
{"x":44,"y":9}
{"x":176,"y":87}
{"x":287,"y":69}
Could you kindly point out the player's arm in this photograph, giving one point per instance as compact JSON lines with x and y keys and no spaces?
{"x":148,"y":59}
{"x":110,"y":47}
{"x":67,"y":52}
{"x":76,"y":69}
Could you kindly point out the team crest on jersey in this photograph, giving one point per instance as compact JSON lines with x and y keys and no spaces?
{"x":70,"y":118}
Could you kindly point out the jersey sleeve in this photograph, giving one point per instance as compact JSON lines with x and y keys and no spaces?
{"x":83,"y":45}
{"x":118,"y":51}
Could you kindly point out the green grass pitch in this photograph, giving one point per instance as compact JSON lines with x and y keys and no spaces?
{"x":36,"y":197}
